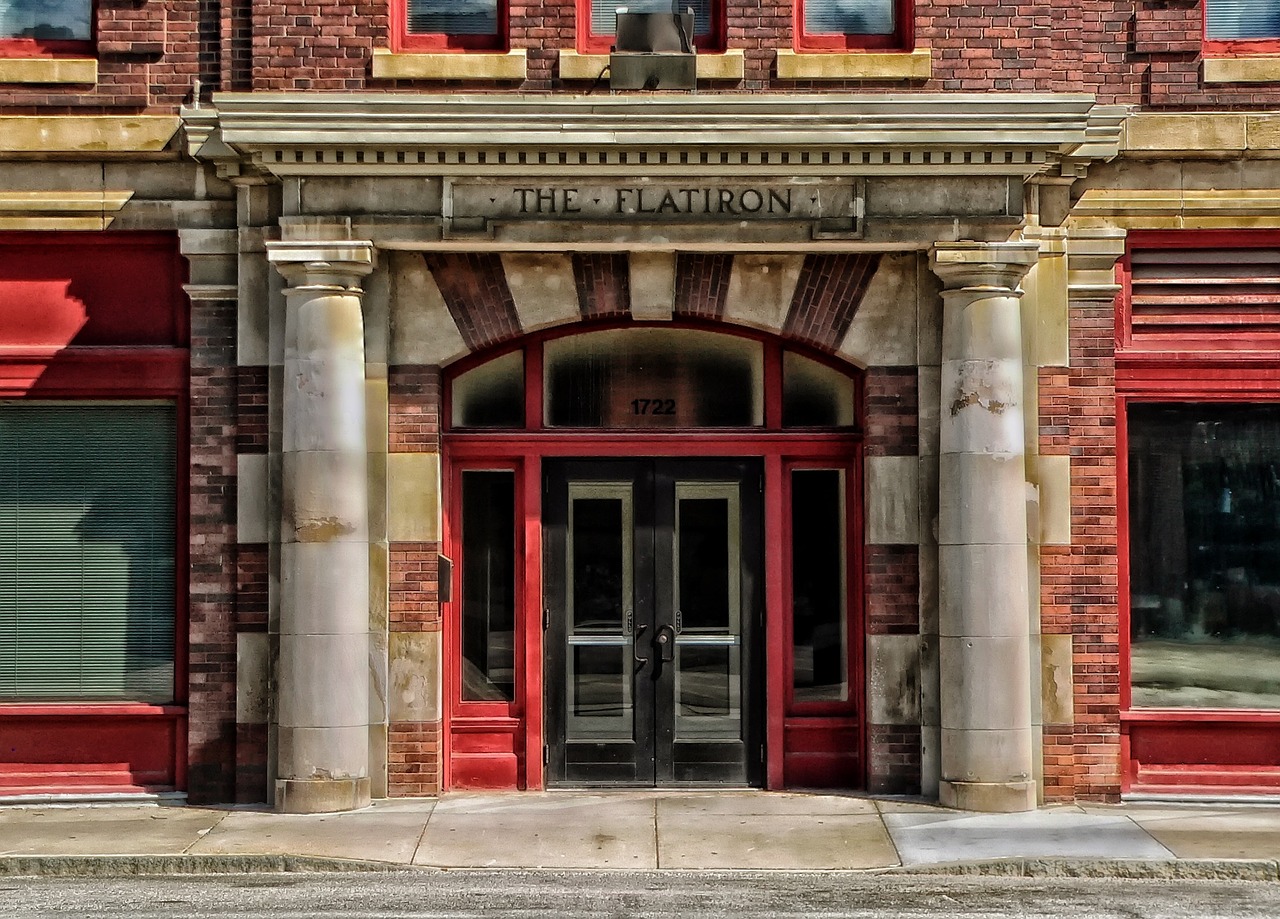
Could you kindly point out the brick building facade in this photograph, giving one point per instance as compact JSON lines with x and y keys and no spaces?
{"x":942,"y":342}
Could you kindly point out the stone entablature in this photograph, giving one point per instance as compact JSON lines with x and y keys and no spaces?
{"x":372,"y":134}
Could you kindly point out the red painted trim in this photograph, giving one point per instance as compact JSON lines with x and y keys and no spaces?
{"x":1123,"y":591}
{"x":531,"y":537}
{"x":617,"y":443}
{"x":403,"y":40}
{"x":902,"y":39}
{"x":101,"y":373}
{"x":72,"y":710}
{"x":713,"y":39}
{"x":1214,"y":47}
{"x":778,"y":642}
{"x":1200,"y":716}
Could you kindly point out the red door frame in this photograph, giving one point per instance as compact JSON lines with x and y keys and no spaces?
{"x":1164,"y":749}
{"x":495,"y":755}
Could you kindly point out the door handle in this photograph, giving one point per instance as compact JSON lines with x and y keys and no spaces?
{"x":635,"y":644}
{"x":665,"y":639}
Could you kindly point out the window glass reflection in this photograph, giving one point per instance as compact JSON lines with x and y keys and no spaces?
{"x":1204,"y":548}
{"x":491,"y":395}
{"x":488,"y":585}
{"x":654,"y":378}
{"x":819,"y":610}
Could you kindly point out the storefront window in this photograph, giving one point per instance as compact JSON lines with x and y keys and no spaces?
{"x":1204,"y":519}
{"x":87,"y":594}
{"x":815,"y":395}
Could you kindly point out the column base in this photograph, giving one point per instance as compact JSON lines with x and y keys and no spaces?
{"x":988,"y":797}
{"x":321,"y":796}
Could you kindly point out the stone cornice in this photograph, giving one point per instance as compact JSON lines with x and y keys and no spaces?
{"x":916,"y":133}
{"x":1178,"y":209}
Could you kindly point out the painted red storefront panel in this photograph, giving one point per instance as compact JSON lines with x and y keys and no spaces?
{"x":98,"y":316}
{"x":1216,"y":345}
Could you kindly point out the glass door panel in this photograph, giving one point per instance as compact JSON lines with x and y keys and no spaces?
{"x":652,"y":590}
{"x":601,"y":611}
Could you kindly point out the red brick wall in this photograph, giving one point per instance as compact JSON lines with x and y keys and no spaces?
{"x":1079,"y":582}
{"x":893,"y":589}
{"x":415,"y":588}
{"x":894,"y":752}
{"x":252,"y":417}
{"x":251,"y":763}
{"x":413,"y":759}
{"x":892,"y":416}
{"x":212,"y":605}
{"x":413,"y":396}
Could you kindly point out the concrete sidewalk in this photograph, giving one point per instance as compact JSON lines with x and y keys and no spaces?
{"x":648,"y":830}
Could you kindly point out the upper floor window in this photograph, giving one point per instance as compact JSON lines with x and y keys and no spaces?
{"x":1241,"y":20}
{"x":46,"y":25}
{"x":597,"y":21}
{"x":446,"y":24}
{"x":842,"y":24}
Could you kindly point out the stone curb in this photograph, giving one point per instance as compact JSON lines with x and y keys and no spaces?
{"x":1184,"y":869}
{"x":144,"y":865}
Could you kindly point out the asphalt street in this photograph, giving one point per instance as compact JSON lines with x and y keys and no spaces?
{"x":468,"y":893}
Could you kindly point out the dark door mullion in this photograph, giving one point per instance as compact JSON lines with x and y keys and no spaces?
{"x":663,"y":678}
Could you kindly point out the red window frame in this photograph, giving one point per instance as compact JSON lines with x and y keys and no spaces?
{"x":483,"y":732}
{"x":1237,"y":47}
{"x":1165,"y":749}
{"x":36,"y":47}
{"x":403,"y":40}
{"x":591,"y":43}
{"x":902,"y":38}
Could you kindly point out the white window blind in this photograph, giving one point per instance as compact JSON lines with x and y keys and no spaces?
{"x":603,"y":13}
{"x":453,"y":17}
{"x":1227,"y":20}
{"x":849,"y":17}
{"x":49,"y":20}
{"x":87,"y":517}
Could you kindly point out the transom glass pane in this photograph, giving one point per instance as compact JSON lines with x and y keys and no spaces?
{"x":488,"y":585}
{"x":604,"y":12}
{"x":1227,"y":20}
{"x":814,"y":394}
{"x":849,"y":17}
{"x":491,"y":395}
{"x":47,"y":20}
{"x":653,"y":378}
{"x":1204,"y":550}
{"x":87,"y":577}
{"x":819,"y":609}
{"x":453,"y":17}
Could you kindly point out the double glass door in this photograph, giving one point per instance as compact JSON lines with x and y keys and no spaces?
{"x":653,"y":605}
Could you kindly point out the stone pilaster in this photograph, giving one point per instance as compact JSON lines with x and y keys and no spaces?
{"x":322,"y":705}
{"x":984,"y":641}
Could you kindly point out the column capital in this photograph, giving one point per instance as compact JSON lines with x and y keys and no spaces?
{"x":983,"y":266}
{"x":338,"y":263}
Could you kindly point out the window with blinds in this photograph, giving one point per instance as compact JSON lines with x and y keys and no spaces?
{"x":1230,"y":293}
{"x":47,"y":20}
{"x":850,"y":17}
{"x":1242,"y":20}
{"x":452,"y":17}
{"x":604,"y":13}
{"x":87,"y":570}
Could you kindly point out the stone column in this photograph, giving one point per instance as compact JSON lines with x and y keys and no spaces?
{"x":984,"y":644}
{"x":322,"y":683}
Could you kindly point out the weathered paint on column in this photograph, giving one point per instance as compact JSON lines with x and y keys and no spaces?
{"x":984,"y":643}
{"x":322,"y":708}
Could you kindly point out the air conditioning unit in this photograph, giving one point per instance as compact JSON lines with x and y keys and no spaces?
{"x":653,"y":51}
